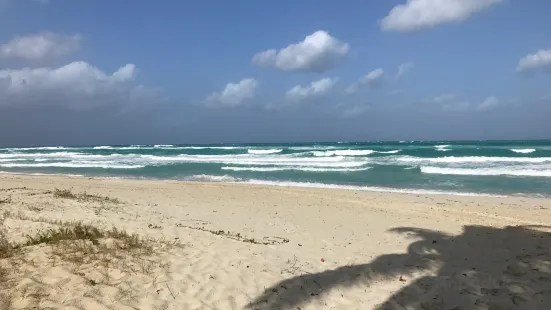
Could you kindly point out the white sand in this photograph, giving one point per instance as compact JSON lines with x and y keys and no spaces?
{"x":379,"y":250}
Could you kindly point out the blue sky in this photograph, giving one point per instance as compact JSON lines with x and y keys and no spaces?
{"x":78,"y":72}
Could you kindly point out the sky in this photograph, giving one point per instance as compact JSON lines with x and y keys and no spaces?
{"x":80,"y":72}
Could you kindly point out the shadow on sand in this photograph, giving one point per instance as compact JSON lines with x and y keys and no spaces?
{"x":482,"y":268}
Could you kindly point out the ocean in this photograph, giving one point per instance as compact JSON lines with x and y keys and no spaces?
{"x":436,"y":167}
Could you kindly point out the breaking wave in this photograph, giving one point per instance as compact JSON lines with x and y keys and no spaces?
{"x":264,"y":152}
{"x":487,"y":171}
{"x":306,"y":169}
{"x":523,"y":151}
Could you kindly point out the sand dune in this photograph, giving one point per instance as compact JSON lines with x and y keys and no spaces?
{"x":230,"y":246}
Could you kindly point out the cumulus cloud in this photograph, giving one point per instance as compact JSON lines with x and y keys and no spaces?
{"x":488,"y":103}
{"x":318,"y":52}
{"x":372,"y":79}
{"x":422,"y":14}
{"x":40,"y":47}
{"x":404,"y":69}
{"x":315,"y":89}
{"x":540,"y":59}
{"x":234,"y":94}
{"x":77,"y":85}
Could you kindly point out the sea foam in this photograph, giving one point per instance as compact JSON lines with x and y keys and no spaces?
{"x":306,"y":169}
{"x":263,"y":152}
{"x":475,"y":159}
{"x":523,"y":151}
{"x":487,"y":171}
{"x":83,"y":164}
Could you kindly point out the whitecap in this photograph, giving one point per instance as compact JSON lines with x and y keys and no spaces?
{"x":212,"y":178}
{"x":41,"y":148}
{"x":523,"y":151}
{"x":76,"y":164}
{"x":313,"y":147}
{"x":342,"y":153}
{"x":245,"y":159}
{"x":389,"y":152}
{"x":475,"y":159}
{"x":7,"y":160}
{"x":306,"y":169}
{"x":262,"y":152}
{"x":487,"y":171}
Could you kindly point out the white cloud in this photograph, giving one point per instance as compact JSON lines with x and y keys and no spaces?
{"x":315,"y":89}
{"x":488,"y":103}
{"x":540,"y":59}
{"x":77,"y":85}
{"x":318,"y":52}
{"x":234,"y":94}
{"x":422,"y":14}
{"x":39,"y":47}
{"x":403,"y":69}
{"x":373,"y":78}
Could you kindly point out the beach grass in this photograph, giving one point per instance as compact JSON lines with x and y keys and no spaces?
{"x":83,"y":196}
{"x":82,"y":249}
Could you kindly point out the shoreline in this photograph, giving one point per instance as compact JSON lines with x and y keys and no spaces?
{"x":289,"y":184}
{"x":245,"y":246}
{"x":476,"y":204}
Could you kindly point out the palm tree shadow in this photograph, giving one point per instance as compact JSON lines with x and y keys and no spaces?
{"x":482,"y":268}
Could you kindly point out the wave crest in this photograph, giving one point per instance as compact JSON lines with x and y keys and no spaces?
{"x":306,"y":169}
{"x":487,"y":171}
{"x":523,"y":151}
{"x":263,"y":152}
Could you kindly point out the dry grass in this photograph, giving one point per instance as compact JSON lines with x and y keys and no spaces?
{"x":95,"y":254}
{"x":76,"y":237}
{"x":82,"y":197}
{"x":5,"y":301}
{"x":6,"y":247}
{"x":6,"y":250}
{"x":6,"y":200}
{"x":24,"y":217}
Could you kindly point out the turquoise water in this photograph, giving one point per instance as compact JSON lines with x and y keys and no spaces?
{"x":472,"y":167}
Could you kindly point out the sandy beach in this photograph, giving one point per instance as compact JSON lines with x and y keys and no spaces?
{"x":236,"y":246}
